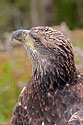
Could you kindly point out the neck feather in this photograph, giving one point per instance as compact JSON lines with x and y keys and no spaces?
{"x":51,"y":76}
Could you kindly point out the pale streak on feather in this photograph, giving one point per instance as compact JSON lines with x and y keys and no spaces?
{"x":43,"y":123}
{"x":22,"y":90}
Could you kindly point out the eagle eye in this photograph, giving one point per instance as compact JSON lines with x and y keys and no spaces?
{"x":37,"y":41}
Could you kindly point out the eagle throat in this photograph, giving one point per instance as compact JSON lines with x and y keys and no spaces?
{"x":51,"y":75}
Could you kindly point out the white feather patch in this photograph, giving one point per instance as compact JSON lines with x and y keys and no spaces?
{"x":43,"y":123}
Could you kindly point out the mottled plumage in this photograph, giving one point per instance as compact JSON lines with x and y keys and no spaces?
{"x":54,"y":95}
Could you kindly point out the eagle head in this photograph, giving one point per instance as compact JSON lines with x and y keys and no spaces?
{"x":51,"y":54}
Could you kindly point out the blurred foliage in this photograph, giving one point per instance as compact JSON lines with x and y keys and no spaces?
{"x":15,"y":14}
{"x":79,"y":44}
{"x":69,"y":11}
{"x":13,"y":76}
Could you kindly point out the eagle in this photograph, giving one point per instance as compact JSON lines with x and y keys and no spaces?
{"x":54,"y":94}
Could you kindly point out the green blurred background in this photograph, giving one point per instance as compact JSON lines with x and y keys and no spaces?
{"x":15,"y":66}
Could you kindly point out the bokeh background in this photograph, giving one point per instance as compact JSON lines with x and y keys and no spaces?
{"x":15,"y":66}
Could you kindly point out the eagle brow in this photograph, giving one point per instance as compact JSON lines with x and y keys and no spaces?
{"x":34,"y":37}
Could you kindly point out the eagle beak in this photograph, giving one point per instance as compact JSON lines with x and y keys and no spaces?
{"x":23,"y":36}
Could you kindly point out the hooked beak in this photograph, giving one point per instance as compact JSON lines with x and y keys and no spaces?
{"x":23,"y":36}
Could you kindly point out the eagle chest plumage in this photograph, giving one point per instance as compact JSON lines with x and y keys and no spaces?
{"x":36,"y":106}
{"x":54,"y":95}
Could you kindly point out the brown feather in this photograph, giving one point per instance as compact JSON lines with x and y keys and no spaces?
{"x":54,"y":95}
